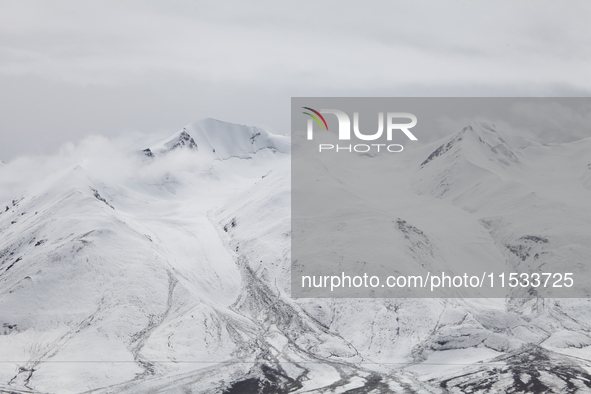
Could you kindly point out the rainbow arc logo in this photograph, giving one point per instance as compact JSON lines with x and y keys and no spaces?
{"x":316,"y":118}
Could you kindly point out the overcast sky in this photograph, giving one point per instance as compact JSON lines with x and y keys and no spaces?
{"x":73,"y":68}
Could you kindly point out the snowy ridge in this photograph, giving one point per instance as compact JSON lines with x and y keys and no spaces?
{"x":222,"y":140}
{"x":479,"y":140}
{"x":477,"y":154}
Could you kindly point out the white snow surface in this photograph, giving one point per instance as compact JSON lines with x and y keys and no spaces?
{"x":169,"y":272}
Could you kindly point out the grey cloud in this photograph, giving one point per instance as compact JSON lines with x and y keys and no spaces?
{"x":69,"y":69}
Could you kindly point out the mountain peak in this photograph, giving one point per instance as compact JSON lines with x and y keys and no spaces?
{"x":478,"y":141}
{"x":484,"y":131}
{"x":489,"y":143}
{"x":217,"y":139}
{"x":481,"y":126}
{"x":181,"y":139}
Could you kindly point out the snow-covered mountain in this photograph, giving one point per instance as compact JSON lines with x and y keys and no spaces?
{"x":470,"y":156}
{"x":219,"y":140}
{"x":174,"y":275}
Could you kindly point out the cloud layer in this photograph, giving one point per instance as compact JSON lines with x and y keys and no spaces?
{"x":74,"y":68}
